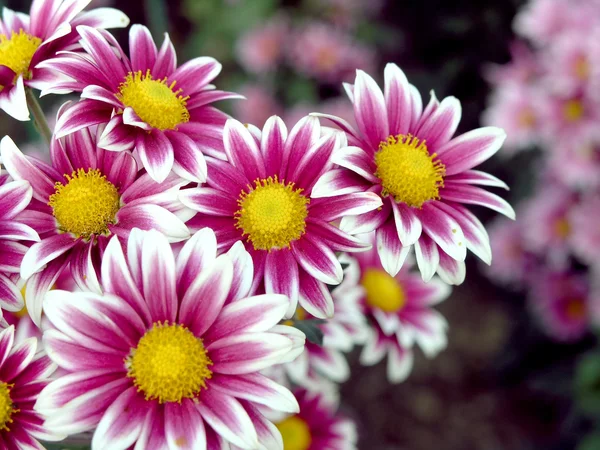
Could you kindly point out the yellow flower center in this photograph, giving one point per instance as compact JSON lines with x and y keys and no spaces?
{"x":526,"y":118}
{"x":407,"y":171}
{"x":16,"y":52}
{"x":582,"y":68}
{"x":295,"y":433}
{"x":7,"y":408}
{"x":272,"y":214}
{"x":562,"y":228}
{"x":383,"y":291}
{"x":169,"y":363}
{"x":86,"y":205}
{"x":573,"y":110}
{"x":575,"y":309}
{"x":154,"y":101}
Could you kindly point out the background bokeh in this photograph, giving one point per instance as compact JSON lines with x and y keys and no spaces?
{"x":506,"y":381}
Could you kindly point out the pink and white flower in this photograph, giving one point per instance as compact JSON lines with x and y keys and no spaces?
{"x":259,"y":50}
{"x":575,"y":164}
{"x":85,"y":196}
{"x":16,"y":196}
{"x":318,"y":425}
{"x":24,"y":372}
{"x":169,"y":354}
{"x":560,"y":301}
{"x":263,"y":196}
{"x":321,"y":51}
{"x":585,"y":237}
{"x":348,"y":327}
{"x":258,"y":105}
{"x":401,"y":306}
{"x":28,"y":40}
{"x":161,"y":111}
{"x":407,"y":156}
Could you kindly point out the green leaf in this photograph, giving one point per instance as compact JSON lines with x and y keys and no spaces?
{"x":311,"y":329}
{"x":590,"y":442}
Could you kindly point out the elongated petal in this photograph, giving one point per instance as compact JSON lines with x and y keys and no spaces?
{"x":301,"y":138}
{"x":471,"y":149}
{"x":17,"y":231}
{"x":333,"y":208}
{"x":144,"y":51}
{"x":444,"y":230}
{"x":315,"y":298}
{"x":389,"y":248}
{"x":11,"y":298}
{"x":397,"y":99}
{"x":428,"y":257}
{"x":156,"y":154}
{"x":366,"y":222}
{"x":209,"y":201}
{"x":82,"y":114}
{"x":189,"y":160}
{"x":408,"y":225}
{"x":281,"y":274}
{"x":338,"y":182}
{"x":358,"y":161}
{"x":243,"y":272}
{"x":370,"y":110}
{"x":474,"y":195}
{"x":314,"y":256}
{"x":195,"y":74}
{"x":15,"y":196}
{"x":272,"y":144}
{"x":184,"y":427}
{"x":41,"y":253}
{"x":152,"y":217}
{"x":198,"y":254}
{"x":476,"y":177}
{"x":438,"y":128}
{"x":242,"y":150}
{"x":205,"y":297}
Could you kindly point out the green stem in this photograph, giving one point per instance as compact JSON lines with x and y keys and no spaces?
{"x":38,"y":115}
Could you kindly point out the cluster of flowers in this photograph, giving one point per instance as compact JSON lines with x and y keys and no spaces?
{"x":168,"y":256}
{"x":548,"y":97}
{"x":324,"y":50}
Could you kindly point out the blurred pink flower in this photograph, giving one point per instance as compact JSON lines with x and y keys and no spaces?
{"x":584,"y":219}
{"x":347,"y":13}
{"x":511,"y":261}
{"x":259,"y":105}
{"x":575,"y":164}
{"x":543,"y":20}
{"x":260,"y":49}
{"x":324,"y":52}
{"x":515,"y":108}
{"x":523,"y":67}
{"x":545,"y":223}
{"x":560,"y":302}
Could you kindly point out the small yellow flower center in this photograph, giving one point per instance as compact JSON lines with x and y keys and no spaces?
{"x":295,"y":433}
{"x":575,"y":309}
{"x":383,"y":291}
{"x":407,"y":171}
{"x":86,"y":205}
{"x":169,"y":363}
{"x":7,"y":408}
{"x":573,"y":110}
{"x":582,"y":68}
{"x":526,"y":118}
{"x":155,"y":101}
{"x":272,"y":214}
{"x":562,"y":228}
{"x":17,"y":51}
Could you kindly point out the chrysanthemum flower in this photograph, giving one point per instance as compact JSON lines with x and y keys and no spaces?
{"x":151,"y":105}
{"x":575,"y":164}
{"x":341,"y":333}
{"x":84,"y":197}
{"x":24,"y":373}
{"x":15,"y":196}
{"x":407,"y":156}
{"x":317,"y":426}
{"x":263,"y":196}
{"x":169,"y":354}
{"x":560,"y":300}
{"x":585,"y":237}
{"x":26,"y":41}
{"x":259,"y":50}
{"x":401,"y":306}
{"x":400,"y":359}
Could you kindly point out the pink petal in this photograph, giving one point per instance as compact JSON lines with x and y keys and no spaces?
{"x":117,"y":136}
{"x":228,"y":418}
{"x":7,"y":337}
{"x":226,"y":178}
{"x":339,"y":182}
{"x":41,"y":253}
{"x":17,"y":231}
{"x":195,"y":74}
{"x":248,"y":352}
{"x":166,"y":61}
{"x":408,"y":224}
{"x":439,"y":128}
{"x":366,"y":222}
{"x":475,"y":177}
{"x":281,"y":274}
{"x":206,"y":296}
{"x":97,"y":46}
{"x":451,"y":271}
{"x":370,"y":110}
{"x":11,"y":298}
{"x":470,"y":149}
{"x":391,"y":252}
{"x":428,"y":257}
{"x":333,"y":208}
{"x":249,"y":315}
{"x":358,"y":161}
{"x":15,"y":196}
{"x":156,"y":154}
{"x":184,"y":427}
{"x":398,"y":99}
{"x":151,"y":217}
{"x":18,"y":359}
{"x":189,"y":160}
{"x":444,"y":230}
{"x":242,"y":150}
{"x":315,"y":298}
{"x":316,"y":161}
{"x":273,"y":139}
{"x":301,"y":138}
{"x":196,"y":256}
{"x":476,"y":196}
{"x":209,"y":201}
{"x":314,"y":256}
{"x":334,"y":238}
{"x":82,"y":114}
{"x":143,"y":50}
{"x":243,"y":272}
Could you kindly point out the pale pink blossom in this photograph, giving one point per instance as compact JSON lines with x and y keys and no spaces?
{"x":260,"y":49}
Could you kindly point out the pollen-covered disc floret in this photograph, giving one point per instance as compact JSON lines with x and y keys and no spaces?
{"x":6,"y":406}
{"x":295,"y":433}
{"x":407,"y":171}
{"x":86,"y":205}
{"x":16,"y":52}
{"x":382,"y":290}
{"x":272,"y":214}
{"x":155,"y":101}
{"x":169,"y":363}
